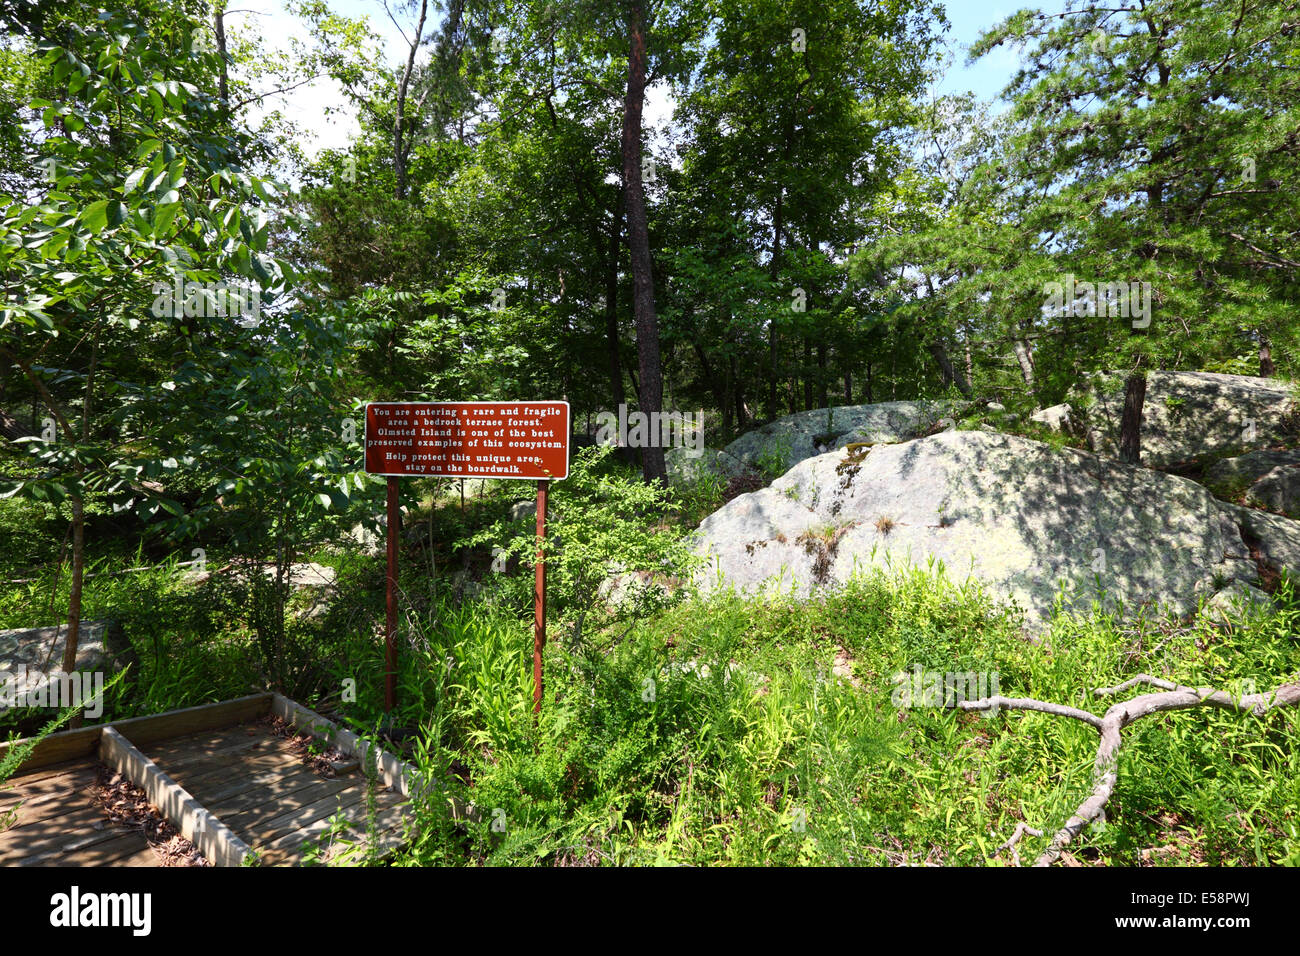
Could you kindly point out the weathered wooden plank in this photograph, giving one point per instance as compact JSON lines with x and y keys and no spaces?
{"x":31,"y":806}
{"x":205,"y":762}
{"x":22,"y":789}
{"x":207,"y":778}
{"x":288,"y":848}
{"x":100,"y":849}
{"x":256,"y":823}
{"x":58,"y":836}
{"x":194,"y":821}
{"x":84,"y":741}
{"x":81,"y":809}
{"x":234,"y":739}
{"x":289,"y":792}
{"x":50,"y":773}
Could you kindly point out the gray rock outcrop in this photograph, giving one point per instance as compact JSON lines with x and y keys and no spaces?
{"x":1026,"y":520}
{"x":1194,"y":416}
{"x":782,"y":444}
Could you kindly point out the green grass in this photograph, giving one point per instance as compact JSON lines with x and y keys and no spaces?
{"x":744,"y":749}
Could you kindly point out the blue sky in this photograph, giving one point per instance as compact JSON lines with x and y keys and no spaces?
{"x":967,"y":20}
{"x":990,"y":74}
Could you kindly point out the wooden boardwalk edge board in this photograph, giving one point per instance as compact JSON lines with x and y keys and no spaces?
{"x":397,"y":775}
{"x":84,"y":742}
{"x":214,"y":839}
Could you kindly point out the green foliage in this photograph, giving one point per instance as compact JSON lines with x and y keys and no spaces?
{"x":716,"y":733}
{"x":699,"y":497}
{"x":773,"y":460}
{"x":601,"y":523}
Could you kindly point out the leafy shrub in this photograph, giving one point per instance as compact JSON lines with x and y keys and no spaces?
{"x":603,"y":522}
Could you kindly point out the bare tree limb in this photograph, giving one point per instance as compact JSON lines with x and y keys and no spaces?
{"x":1010,"y":844}
{"x":1172,"y":696}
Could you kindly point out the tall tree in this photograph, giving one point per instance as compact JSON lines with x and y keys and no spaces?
{"x":650,"y":398}
{"x":144,"y":194}
{"x":1158,"y":138}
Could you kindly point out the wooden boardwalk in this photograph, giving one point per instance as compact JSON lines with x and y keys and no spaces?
{"x":58,"y":822}
{"x":222,"y":775}
{"x":251,"y":781}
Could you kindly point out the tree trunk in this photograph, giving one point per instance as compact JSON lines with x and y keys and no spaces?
{"x":1026,"y":361}
{"x":807,"y":374}
{"x":74,"y":593}
{"x":617,"y":392}
{"x":823,"y":386}
{"x":774,"y":266}
{"x":219,"y":29}
{"x":716,"y":383}
{"x":1130,"y":428}
{"x":401,"y":148}
{"x":970,"y":363}
{"x":948,"y":373}
{"x":738,"y":395}
{"x":638,"y":235}
{"x":728,"y":404}
{"x":848,"y":387}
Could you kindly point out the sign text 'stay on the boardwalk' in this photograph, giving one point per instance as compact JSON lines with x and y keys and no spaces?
{"x":522,"y":440}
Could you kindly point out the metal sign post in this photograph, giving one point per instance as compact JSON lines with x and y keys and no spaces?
{"x":539,"y":598}
{"x":509,"y":440}
{"x":390,"y":634}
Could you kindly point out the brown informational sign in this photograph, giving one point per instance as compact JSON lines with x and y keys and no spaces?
{"x":525,"y":440}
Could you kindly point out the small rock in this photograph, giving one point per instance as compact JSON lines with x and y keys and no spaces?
{"x":1057,"y":417}
{"x":1226,"y":607}
{"x":1279,"y":490}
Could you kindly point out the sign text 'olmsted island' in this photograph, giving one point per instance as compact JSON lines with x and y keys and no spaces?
{"x":527,"y":440}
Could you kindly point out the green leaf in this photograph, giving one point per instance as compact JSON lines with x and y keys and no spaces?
{"x":133,"y":180}
{"x":95,"y":216}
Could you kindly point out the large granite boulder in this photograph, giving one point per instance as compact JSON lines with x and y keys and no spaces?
{"x":1277,"y":538}
{"x":1268,"y":479}
{"x":1026,"y":520}
{"x":31,"y":659}
{"x":1194,"y":416}
{"x":782,"y":444}
{"x":685,"y":467}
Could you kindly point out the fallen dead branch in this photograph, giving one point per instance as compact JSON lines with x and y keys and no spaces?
{"x":1109,"y":725}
